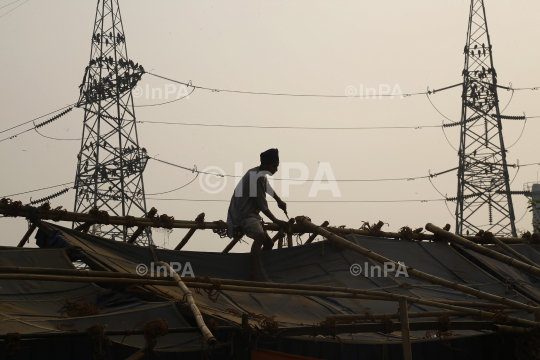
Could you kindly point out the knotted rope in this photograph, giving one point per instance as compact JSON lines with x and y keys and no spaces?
{"x":96,"y":333}
{"x":13,"y":340}
{"x":154,"y":329}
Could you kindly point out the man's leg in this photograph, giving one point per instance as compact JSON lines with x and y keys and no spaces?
{"x":258,"y":242}
{"x":268,"y":243}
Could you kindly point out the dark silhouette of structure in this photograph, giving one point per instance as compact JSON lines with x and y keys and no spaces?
{"x":483,"y":196}
{"x":110,"y":162}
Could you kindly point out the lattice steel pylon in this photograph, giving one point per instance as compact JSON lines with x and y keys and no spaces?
{"x":110,"y":163}
{"x":483,"y":196}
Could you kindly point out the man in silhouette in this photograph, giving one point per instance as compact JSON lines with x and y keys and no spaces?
{"x":248,"y":200}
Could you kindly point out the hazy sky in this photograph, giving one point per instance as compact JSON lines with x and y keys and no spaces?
{"x":304,"y":47}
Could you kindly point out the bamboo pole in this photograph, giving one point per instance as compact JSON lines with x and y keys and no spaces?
{"x":411,"y":315}
{"x":405,"y":332}
{"x":512,"y":252}
{"x":233,"y":242}
{"x":56,"y":215}
{"x":351,"y":294}
{"x":140,"y":229}
{"x":210,"y":339}
{"x":302,"y":330}
{"x":199,"y":219}
{"x":99,"y":275}
{"x":314,"y":235}
{"x":483,"y":250}
{"x":27,"y":235}
{"x":411,"y":271}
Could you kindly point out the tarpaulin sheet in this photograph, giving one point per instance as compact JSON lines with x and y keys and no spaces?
{"x":316,"y":264}
{"x":517,"y":281}
{"x":32,"y":306}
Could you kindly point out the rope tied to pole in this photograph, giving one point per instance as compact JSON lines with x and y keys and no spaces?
{"x":131,"y":221}
{"x":100,"y":215}
{"x":213,"y":326}
{"x":406,"y":233}
{"x":154,"y":329}
{"x":213,"y":292}
{"x":78,"y":308}
{"x":374,"y":229}
{"x":388,"y":325}
{"x":13,"y":341}
{"x":12,"y":207}
{"x":222,"y":230}
{"x":96,"y":334}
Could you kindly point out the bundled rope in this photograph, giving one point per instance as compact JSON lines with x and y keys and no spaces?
{"x":213,"y":326}
{"x":222,"y":231}
{"x":375,"y":229}
{"x":213,"y":292}
{"x":13,"y":341}
{"x":406,"y":233}
{"x":388,"y":325}
{"x":79,"y":308}
{"x":96,"y":333}
{"x":154,"y":329}
{"x":131,"y":221}
{"x":265,"y":322}
{"x":12,"y":207}
{"x":100,"y":215}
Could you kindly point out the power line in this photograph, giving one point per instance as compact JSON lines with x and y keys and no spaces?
{"x":311,"y":201}
{"x":40,"y":124}
{"x":14,"y":8}
{"x":194,"y":170}
{"x":29,"y":121}
{"x":289,"y":127}
{"x":9,"y":4}
{"x":189,"y":84}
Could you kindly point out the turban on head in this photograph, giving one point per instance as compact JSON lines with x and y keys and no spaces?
{"x":269,"y":156}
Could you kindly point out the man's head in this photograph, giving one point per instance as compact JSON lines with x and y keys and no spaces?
{"x":270,"y":161}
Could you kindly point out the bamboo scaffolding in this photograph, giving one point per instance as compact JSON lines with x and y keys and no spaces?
{"x":210,"y":339}
{"x":411,"y":315}
{"x":27,"y":235}
{"x":302,"y":330}
{"x":534,"y":270}
{"x":405,"y":332}
{"x":56,"y":215}
{"x":512,"y":252}
{"x":166,"y":280}
{"x":411,"y":271}
{"x":199,"y":219}
{"x":314,"y":235}
{"x":351,"y":294}
{"x":140,"y":229}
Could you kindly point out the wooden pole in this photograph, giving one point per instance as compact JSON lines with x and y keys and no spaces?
{"x":483,"y":250}
{"x":210,"y":339}
{"x":351,"y":294}
{"x":56,"y":215}
{"x":411,"y":271}
{"x":411,"y":315}
{"x":199,"y":219}
{"x":512,"y":252}
{"x":314,"y":235}
{"x":27,"y":235}
{"x":140,"y":229}
{"x":233,"y":242}
{"x":405,"y":332}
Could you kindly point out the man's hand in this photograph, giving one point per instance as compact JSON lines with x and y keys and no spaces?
{"x":283,"y":224}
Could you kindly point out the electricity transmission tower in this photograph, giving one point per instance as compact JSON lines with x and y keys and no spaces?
{"x":110,"y":162}
{"x":483,"y":196}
